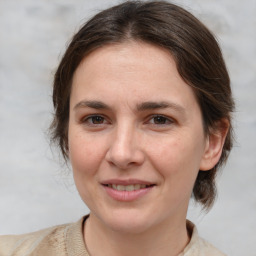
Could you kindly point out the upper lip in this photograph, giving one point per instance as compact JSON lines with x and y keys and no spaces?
{"x":126,"y":182}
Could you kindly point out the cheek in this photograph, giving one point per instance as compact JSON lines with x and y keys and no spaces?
{"x":177,"y":157}
{"x":84,"y":154}
{"x":86,"y":157}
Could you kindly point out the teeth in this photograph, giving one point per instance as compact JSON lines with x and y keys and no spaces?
{"x":137,"y":186}
{"x":120,"y":187}
{"x":127,"y":188}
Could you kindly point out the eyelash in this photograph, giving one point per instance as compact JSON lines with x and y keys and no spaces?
{"x":89,"y":120}
{"x":167,"y":120}
{"x":161,"y":118}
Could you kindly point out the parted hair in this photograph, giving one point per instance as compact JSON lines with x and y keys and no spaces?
{"x":194,"y":48}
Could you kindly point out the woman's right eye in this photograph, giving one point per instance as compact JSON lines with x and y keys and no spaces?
{"x":94,"y":120}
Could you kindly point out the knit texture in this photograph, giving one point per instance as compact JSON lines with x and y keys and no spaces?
{"x":67,"y":240}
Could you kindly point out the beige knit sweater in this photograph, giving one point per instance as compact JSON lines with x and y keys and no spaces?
{"x":67,"y":240}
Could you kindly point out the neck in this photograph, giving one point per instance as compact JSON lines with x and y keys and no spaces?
{"x":166,"y":239}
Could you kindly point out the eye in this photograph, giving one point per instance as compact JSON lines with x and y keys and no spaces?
{"x":160,"y":120}
{"x":94,"y":120}
{"x":97,"y":119}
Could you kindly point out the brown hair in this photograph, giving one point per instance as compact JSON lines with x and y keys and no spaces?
{"x":197,"y":55}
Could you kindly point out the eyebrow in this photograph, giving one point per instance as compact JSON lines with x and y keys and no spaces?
{"x":148,"y":105}
{"x":91,"y":104}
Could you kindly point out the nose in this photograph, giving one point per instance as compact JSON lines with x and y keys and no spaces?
{"x":125,"y":148}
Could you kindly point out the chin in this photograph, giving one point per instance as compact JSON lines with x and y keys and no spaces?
{"x":128,"y":226}
{"x":128,"y":222}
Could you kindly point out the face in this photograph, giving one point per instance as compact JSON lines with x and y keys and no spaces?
{"x":136,"y":139}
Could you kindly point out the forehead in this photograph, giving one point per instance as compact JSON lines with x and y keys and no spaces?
{"x":132,"y":70}
{"x":131,"y":56}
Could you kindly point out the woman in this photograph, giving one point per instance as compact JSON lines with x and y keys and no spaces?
{"x":143,"y":108}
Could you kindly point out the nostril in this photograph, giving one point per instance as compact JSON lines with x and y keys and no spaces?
{"x":124,"y":154}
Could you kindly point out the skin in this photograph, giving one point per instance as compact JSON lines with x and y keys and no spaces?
{"x":113,"y":134}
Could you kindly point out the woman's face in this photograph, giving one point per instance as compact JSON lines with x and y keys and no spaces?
{"x":136,"y":139}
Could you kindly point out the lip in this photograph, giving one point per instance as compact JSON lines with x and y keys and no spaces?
{"x":126,"y":182}
{"x":127,"y":196}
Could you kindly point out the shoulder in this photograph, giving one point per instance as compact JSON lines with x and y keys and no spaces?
{"x":208,"y":249}
{"x":50,"y":238}
{"x":198,"y":246}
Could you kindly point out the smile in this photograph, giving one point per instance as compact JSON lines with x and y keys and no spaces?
{"x":128,"y":187}
{"x":127,"y":191}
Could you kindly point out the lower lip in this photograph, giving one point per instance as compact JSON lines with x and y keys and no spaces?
{"x":127,"y":196}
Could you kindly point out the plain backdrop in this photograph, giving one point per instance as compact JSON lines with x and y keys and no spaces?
{"x":37,"y":190}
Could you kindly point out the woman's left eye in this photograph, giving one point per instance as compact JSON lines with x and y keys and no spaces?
{"x":160,"y":120}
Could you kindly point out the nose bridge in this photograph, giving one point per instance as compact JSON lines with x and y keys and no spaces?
{"x":124,"y":149}
{"x":124,"y":143}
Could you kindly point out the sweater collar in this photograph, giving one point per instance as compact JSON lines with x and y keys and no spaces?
{"x":75,"y":244}
{"x":75,"y":239}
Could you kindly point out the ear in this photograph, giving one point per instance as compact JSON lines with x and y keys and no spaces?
{"x":214,"y":144}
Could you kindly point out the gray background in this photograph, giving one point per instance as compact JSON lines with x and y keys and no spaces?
{"x":37,"y":191}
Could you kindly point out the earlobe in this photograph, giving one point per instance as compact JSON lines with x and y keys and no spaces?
{"x":214,"y":144}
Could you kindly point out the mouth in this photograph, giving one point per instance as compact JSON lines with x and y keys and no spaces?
{"x":127,"y":191}
{"x":131,"y":187}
